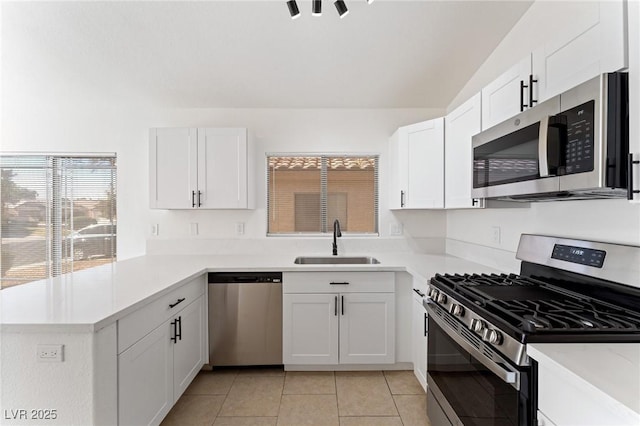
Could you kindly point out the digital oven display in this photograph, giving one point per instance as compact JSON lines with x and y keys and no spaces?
{"x":581,"y":255}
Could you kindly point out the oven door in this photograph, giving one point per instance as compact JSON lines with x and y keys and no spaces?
{"x":467,"y":388}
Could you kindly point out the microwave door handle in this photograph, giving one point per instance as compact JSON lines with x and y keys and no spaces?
{"x":543,"y":147}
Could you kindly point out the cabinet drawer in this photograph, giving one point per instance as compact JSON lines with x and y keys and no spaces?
{"x":137,"y":324}
{"x":338,"y":282}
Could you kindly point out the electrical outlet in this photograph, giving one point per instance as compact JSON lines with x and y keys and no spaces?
{"x":495,"y":233}
{"x":50,"y":353}
{"x":395,"y":229}
{"x":155,"y":229}
{"x":240,"y":228}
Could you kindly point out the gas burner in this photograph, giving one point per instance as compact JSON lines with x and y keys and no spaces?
{"x":587,"y":323}
{"x":532,"y":323}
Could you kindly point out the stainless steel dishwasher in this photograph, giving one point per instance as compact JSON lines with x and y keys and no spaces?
{"x":245,"y":318}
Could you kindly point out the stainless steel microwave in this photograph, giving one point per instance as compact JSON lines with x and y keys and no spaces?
{"x":572,"y":146}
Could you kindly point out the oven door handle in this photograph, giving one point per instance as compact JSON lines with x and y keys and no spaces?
{"x":507,"y":376}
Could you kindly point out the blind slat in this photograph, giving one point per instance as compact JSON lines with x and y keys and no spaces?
{"x":53,"y":212}
{"x":307,"y":193}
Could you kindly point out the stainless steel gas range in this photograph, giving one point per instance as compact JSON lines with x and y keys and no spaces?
{"x":568,"y":290}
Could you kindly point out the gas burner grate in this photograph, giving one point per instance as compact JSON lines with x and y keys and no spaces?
{"x":533,"y":306}
{"x":566,"y":314}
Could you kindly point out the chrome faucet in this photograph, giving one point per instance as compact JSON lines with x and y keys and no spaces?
{"x":336,"y":233}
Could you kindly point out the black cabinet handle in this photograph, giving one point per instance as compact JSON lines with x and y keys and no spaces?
{"x":474,"y":202}
{"x":342,"y":303}
{"x":335,"y":306}
{"x":630,"y":190}
{"x":421,"y":294}
{"x":425,"y":324}
{"x":174,"y":323}
{"x":179,"y":333}
{"x":531,"y":100}
{"x":173,"y":305}
{"x":401,"y":198}
{"x":199,"y":196}
{"x":193,"y":198}
{"x":522,"y":87}
{"x":339,"y":283}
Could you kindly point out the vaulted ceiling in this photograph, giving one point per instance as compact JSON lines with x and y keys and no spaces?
{"x":207,"y":54}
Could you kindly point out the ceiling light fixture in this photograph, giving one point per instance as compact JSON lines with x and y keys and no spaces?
{"x":293,"y":9}
{"x":316,"y":8}
{"x":341,"y":8}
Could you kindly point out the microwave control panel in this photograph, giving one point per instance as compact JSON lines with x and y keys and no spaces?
{"x":578,"y":152}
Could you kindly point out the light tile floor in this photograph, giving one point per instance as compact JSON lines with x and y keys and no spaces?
{"x":271,"y":396}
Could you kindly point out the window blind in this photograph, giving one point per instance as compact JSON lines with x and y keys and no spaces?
{"x":306,"y":193}
{"x":58,"y":215}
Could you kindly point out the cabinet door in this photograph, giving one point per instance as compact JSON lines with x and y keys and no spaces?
{"x":367,"y":328}
{"x":222,"y":168}
{"x":424,"y":157}
{"x":634,"y":90}
{"x":189,"y":349}
{"x":501,"y":99}
{"x":310,"y":328}
{"x":145,"y":379}
{"x":397,"y":171}
{"x":593,"y":43}
{"x":419,"y":342}
{"x":172,"y":168}
{"x":460,"y":126}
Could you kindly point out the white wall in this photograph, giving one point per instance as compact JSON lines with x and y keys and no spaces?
{"x":470,"y":233}
{"x":90,"y":125}
{"x":543,"y":21}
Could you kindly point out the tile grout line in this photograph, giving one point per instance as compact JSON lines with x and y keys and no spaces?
{"x":284,"y":381}
{"x":392,"y":398}
{"x":335,"y":387}
{"x":226,"y":395}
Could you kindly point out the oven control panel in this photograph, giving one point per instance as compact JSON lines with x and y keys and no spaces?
{"x":580,"y":255}
{"x":476,"y":324}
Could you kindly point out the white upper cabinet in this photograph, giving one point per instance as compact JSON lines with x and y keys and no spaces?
{"x":222,"y":168}
{"x":173,"y":155}
{"x":507,"y":95}
{"x":416,"y":153}
{"x":593,"y":43}
{"x":634,"y":92}
{"x":199,"y":168}
{"x":460,"y":126}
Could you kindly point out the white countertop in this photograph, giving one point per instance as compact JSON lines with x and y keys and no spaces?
{"x":611,"y":369}
{"x":91,"y":299}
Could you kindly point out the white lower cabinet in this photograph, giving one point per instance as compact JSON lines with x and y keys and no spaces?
{"x":310,"y":328}
{"x":330,"y":318}
{"x":154,"y":371}
{"x":145,"y":379}
{"x":419,"y":341}
{"x":189,"y":350}
{"x":367,"y":328}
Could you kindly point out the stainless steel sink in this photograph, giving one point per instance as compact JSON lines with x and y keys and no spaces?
{"x":336,"y":260}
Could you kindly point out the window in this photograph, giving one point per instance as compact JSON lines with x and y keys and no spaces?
{"x":58,"y":215}
{"x":306,"y":193}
